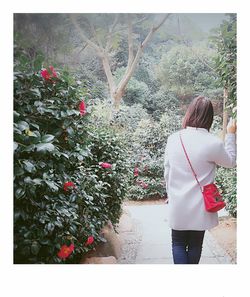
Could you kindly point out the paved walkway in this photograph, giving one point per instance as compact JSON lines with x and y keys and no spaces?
{"x":146,"y":238}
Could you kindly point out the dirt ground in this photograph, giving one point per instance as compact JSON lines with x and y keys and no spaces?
{"x":224,"y":233}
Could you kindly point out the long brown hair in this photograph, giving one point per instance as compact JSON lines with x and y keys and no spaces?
{"x":200,"y":113}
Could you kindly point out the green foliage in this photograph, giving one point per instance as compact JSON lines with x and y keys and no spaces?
{"x":216,"y":127}
{"x":163,"y":102}
{"x":226,"y":44}
{"x":144,"y":88}
{"x":145,"y":72}
{"x":129,"y":117}
{"x":95,"y":84}
{"x":124,"y":122}
{"x":54,"y":144}
{"x":46,"y":34}
{"x":149,"y":183}
{"x":182,"y":72}
{"x":148,"y":146}
{"x":226,"y":180}
{"x":151,"y":136}
{"x":136,"y":91}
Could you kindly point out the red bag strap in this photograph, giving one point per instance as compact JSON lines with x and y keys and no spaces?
{"x":195,"y":175}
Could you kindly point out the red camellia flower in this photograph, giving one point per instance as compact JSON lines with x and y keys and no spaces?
{"x":54,"y":74}
{"x":66,"y":251}
{"x":82,"y":108}
{"x":136,"y":171}
{"x":46,"y":74}
{"x":67,"y":185}
{"x":105,"y":165}
{"x":90,"y":240}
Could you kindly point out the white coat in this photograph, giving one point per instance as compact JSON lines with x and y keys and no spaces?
{"x":205,"y":150}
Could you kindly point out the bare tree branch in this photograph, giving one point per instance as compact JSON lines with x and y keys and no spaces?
{"x":162,"y":22}
{"x":130,"y":43}
{"x":83,"y":36}
{"x":141,"y":20}
{"x":93,"y":30}
{"x":153,"y":30}
{"x":82,"y":49}
{"x":102,"y":54}
{"x":124,"y":29}
{"x":140,"y":49}
{"x":111,"y":29}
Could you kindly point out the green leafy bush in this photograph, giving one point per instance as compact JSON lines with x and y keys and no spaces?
{"x":62,"y":194}
{"x":136,"y":91}
{"x":124,"y":121}
{"x":162,"y":102}
{"x":226,"y":180}
{"x":152,"y":135}
{"x":148,"y":146}
{"x":149,"y":183}
{"x":187,"y":70}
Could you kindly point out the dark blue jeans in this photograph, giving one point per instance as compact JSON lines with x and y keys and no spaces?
{"x":187,"y":246}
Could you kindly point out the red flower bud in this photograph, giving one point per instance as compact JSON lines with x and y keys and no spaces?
{"x":82,"y":108}
{"x":90,"y":240}
{"x":136,"y":171}
{"x":67,"y":185}
{"x":105,"y":165}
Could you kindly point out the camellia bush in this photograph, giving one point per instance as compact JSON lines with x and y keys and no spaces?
{"x":226,"y":180}
{"x":148,"y":180}
{"x":69,"y":175}
{"x":148,"y":147}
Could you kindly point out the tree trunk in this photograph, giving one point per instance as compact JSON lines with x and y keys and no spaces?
{"x":117,"y":92}
{"x":117,"y":97}
{"x":225,"y":114}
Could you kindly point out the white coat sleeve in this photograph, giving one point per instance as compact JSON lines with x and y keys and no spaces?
{"x":225,"y":155}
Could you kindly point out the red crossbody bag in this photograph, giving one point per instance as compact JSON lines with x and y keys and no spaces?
{"x":212,"y":197}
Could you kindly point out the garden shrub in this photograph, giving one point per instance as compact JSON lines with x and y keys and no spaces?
{"x":124,"y":121}
{"x":148,"y":180}
{"x":136,"y":91}
{"x":129,"y":117}
{"x":226,"y":180}
{"x":148,"y":146}
{"x":63,"y":193}
{"x":162,"y":102}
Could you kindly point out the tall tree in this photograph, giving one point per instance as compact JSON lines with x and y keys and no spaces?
{"x":102,"y":45}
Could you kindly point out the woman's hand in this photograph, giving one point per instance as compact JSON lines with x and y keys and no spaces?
{"x":231,"y":126}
